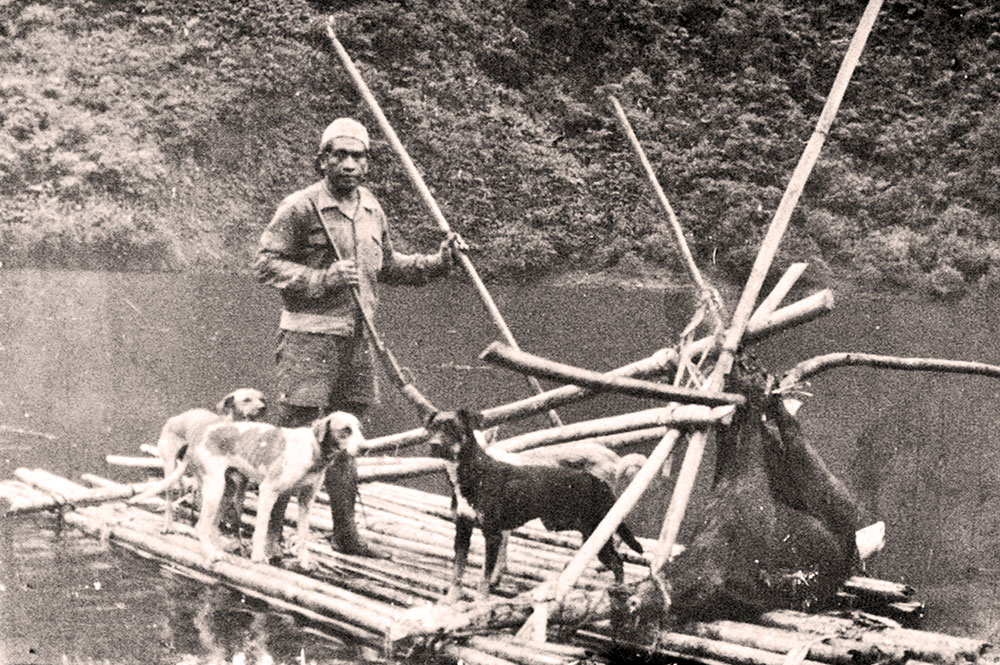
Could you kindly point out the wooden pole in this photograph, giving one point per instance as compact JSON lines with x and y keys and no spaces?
{"x":497,"y":614}
{"x":769,"y":247}
{"x":612,"y":441}
{"x":662,"y":361}
{"x":921,"y":645}
{"x":142,"y":462}
{"x":535,"y":626}
{"x":427,"y":197}
{"x":778,"y":293}
{"x":675,"y":225}
{"x":419,"y":466}
{"x":22,"y":505}
{"x":520,"y":361}
{"x":689,"y":416}
{"x":814,"y":366}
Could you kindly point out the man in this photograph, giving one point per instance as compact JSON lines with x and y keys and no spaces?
{"x":325,"y":362}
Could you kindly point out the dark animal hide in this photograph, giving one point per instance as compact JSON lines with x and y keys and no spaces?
{"x":779,"y":530}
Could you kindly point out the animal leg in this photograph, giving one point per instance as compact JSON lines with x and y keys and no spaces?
{"x":306,"y":495}
{"x":609,"y":557}
{"x":232,"y":504}
{"x":276,"y":527}
{"x":494,"y":542}
{"x":207,"y":528}
{"x":260,"y":544}
{"x":463,"y":535}
{"x":169,"y":464}
{"x":168,"y":512}
{"x":501,"y":564}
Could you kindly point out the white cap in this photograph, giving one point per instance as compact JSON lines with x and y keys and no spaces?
{"x":344,"y":127}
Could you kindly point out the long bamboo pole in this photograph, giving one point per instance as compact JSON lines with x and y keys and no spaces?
{"x":688,"y":416}
{"x":137,"y":462}
{"x":792,"y":315}
{"x":661,"y":196}
{"x":769,"y":247}
{"x":521,"y":361}
{"x":427,"y":197}
{"x":920,"y":645}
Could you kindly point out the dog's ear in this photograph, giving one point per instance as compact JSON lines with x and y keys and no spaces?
{"x":227,"y":405}
{"x":321,"y":429}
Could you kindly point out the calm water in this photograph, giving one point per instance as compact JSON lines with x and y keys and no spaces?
{"x":94,"y":362}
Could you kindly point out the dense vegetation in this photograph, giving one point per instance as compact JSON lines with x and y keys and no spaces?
{"x":160,"y":134}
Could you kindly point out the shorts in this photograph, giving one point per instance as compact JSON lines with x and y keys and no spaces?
{"x":325,"y":371}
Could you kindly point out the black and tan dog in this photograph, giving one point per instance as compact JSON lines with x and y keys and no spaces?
{"x":501,"y":496}
{"x":281,"y":461}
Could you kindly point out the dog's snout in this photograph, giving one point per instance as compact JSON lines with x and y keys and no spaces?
{"x":349,"y":439}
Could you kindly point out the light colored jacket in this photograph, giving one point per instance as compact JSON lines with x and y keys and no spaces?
{"x":294,"y":252}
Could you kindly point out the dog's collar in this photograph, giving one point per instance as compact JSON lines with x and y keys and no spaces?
{"x":326,"y":455}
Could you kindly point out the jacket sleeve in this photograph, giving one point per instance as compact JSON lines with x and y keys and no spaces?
{"x":280,"y":260}
{"x":399,"y":268}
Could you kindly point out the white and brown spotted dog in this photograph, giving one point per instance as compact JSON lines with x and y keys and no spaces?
{"x":186,"y":428}
{"x":281,"y":461}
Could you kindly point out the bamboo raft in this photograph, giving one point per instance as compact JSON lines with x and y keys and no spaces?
{"x":554,"y":603}
{"x":368,"y":600}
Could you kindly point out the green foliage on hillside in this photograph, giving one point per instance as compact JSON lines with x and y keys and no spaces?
{"x":160,"y":134}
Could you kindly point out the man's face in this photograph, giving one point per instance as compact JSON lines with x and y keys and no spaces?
{"x":345,"y":163}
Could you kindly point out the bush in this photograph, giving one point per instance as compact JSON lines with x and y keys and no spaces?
{"x":184,"y":122}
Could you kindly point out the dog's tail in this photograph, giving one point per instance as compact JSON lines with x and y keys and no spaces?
{"x":165,"y":484}
{"x":628,"y":538}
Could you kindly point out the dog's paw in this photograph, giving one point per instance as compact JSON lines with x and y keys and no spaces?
{"x":453,"y":596}
{"x":483,"y":590}
{"x":306,"y":561}
{"x":212,"y":554}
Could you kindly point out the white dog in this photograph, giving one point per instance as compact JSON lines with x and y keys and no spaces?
{"x":281,"y":461}
{"x":184,"y":429}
